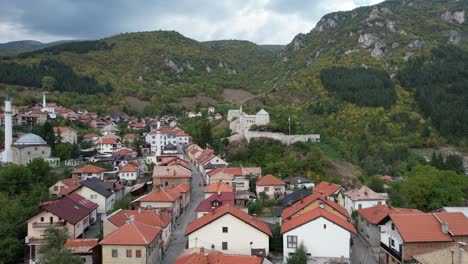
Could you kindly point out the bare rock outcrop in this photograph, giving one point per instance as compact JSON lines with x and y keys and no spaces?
{"x":454,"y":37}
{"x":367,"y":39}
{"x":456,"y":16}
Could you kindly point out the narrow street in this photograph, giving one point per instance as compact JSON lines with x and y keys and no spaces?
{"x":178,"y":241}
{"x":361,"y":253}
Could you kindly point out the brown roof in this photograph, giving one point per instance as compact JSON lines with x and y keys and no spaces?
{"x":129,"y":136}
{"x":88,"y":169}
{"x":217,"y":258}
{"x":301,"y":204}
{"x":228,"y":209}
{"x":71,"y":183}
{"x":129,"y":168}
{"x":327,"y":188}
{"x":159,"y":195}
{"x":67,"y":209}
{"x":365,"y":193}
{"x":172,"y":171}
{"x":314,"y":214}
{"x":218,"y":187}
{"x":419,"y":228}
{"x":134,"y":233}
{"x":269,"y":180}
{"x":148,"y":217}
{"x":376,"y":214}
{"x":108,"y":140}
{"x":81,"y":246}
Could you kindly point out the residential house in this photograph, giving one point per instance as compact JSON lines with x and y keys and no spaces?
{"x":133,"y":242}
{"x":217,"y":188}
{"x":203,"y":256}
{"x":230,"y":230}
{"x":209,"y":163}
{"x":271,"y":186}
{"x":404,"y":236}
{"x":149,"y":217}
{"x":363,"y":197}
{"x":129,"y":138}
{"x":295,"y":196}
{"x":64,"y":187}
{"x":108,"y":144}
{"x":299,"y":182}
{"x":64,"y":213}
{"x":457,"y":254}
{"x":105,"y":194}
{"x":163,"y":200}
{"x":88,"y":250}
{"x":214,"y":201}
{"x":369,"y":219}
{"x":91,"y":206}
{"x":110,"y":130}
{"x":331,"y":190}
{"x":172,"y":161}
{"x":184,"y":190}
{"x":88,"y":171}
{"x":171,"y":176}
{"x":90,"y":137}
{"x":237,"y":176}
{"x":129,"y":172}
{"x":67,"y":134}
{"x":323,"y":234}
{"x":165,"y":135}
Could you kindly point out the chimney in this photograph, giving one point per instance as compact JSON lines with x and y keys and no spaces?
{"x":139,"y":210}
{"x":445,"y":228}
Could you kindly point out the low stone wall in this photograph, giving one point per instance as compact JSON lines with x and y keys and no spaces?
{"x":285,"y":139}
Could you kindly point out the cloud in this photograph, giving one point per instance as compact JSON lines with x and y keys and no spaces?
{"x":261,"y":21}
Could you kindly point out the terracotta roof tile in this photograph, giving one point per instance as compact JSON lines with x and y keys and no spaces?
{"x":301,"y":204}
{"x":129,"y":168}
{"x":182,"y":188}
{"x":232,"y":171}
{"x":129,"y":136}
{"x":217,"y":258}
{"x":223,"y":198}
{"x":81,"y":246}
{"x":376,"y":214}
{"x":269,"y":180}
{"x":326,"y":188}
{"x":457,"y":222}
{"x":314,"y":214}
{"x":134,"y":233}
{"x":108,"y":140}
{"x":218,"y":187}
{"x":173,"y":171}
{"x":159,"y":195}
{"x":89,"y":169}
{"x":148,"y":217}
{"x":71,"y":183}
{"x":419,"y":228}
{"x":228,"y":209}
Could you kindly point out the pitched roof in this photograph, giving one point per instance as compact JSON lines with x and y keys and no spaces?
{"x":123,"y":152}
{"x":81,"y":246}
{"x":89,"y":136}
{"x":419,"y":228}
{"x":295,"y":196}
{"x":182,"y":188}
{"x":129,"y":168}
{"x":106,"y":189}
{"x":67,"y":209}
{"x":376,"y":214}
{"x":83,"y":201}
{"x":365,"y":193}
{"x":457,"y":222}
{"x":299,"y":205}
{"x":327,"y":188}
{"x":174,"y":161}
{"x":314,"y":214}
{"x":218,"y":187}
{"x":71,"y":185}
{"x":231,"y":171}
{"x":172,"y":171}
{"x":159,"y":195}
{"x":89,"y":168}
{"x":269,"y":180}
{"x":108,"y":140}
{"x":228,"y":209}
{"x":134,"y":233}
{"x":148,"y":217}
{"x":223,"y":198}
{"x":217,"y":258}
{"x":129,"y":136}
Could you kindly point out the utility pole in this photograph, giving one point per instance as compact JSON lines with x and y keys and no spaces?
{"x":289,"y":124}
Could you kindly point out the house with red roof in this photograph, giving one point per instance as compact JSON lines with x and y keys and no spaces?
{"x":149,"y":217}
{"x":162,"y":136}
{"x":404,"y":236}
{"x":133,"y":242}
{"x":217,"y":188}
{"x":108,"y":144}
{"x":90,"y":137}
{"x":331,"y":190}
{"x":363,"y":197}
{"x":88,"y":171}
{"x":203,"y":256}
{"x":312,"y":202}
{"x":67,"y":134}
{"x":129,"y":172}
{"x":230,"y":230}
{"x":273,"y":187}
{"x":171,"y":176}
{"x":369,"y":221}
{"x":184,"y":190}
{"x":214,"y":201}
{"x":238,"y":177}
{"x":66,"y":213}
{"x":129,"y":138}
{"x":63,"y":187}
{"x":162,"y":200}
{"x":323,"y":233}
{"x":87,"y":249}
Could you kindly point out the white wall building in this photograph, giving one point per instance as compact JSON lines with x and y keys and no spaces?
{"x":363,"y":197}
{"x":165,"y":135}
{"x":240,"y":121}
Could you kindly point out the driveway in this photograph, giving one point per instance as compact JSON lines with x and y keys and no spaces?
{"x":179,"y":241}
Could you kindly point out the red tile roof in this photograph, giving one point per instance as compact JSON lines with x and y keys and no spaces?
{"x":173,"y":171}
{"x":129,"y":136}
{"x":315,"y":214}
{"x":217,"y":258}
{"x":228,"y":209}
{"x":376,"y":214}
{"x":123,"y":152}
{"x":71,"y":183}
{"x":89,"y":169}
{"x":148,"y":217}
{"x":134,"y":233}
{"x":232,"y":171}
{"x":218,"y":187}
{"x":269,"y":180}
{"x":419,"y":228}
{"x":129,"y":168}
{"x":182,"y":188}
{"x":301,"y":204}
{"x":81,"y":246}
{"x":90,"y":136}
{"x":223,"y":198}
{"x":457,"y":222}
{"x":326,"y":188}
{"x":174,"y":161}
{"x":108,"y":140}
{"x":159,"y":195}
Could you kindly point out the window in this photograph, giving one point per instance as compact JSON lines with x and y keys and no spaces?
{"x":93,"y":196}
{"x":359,"y":206}
{"x":324,"y":226}
{"x":55,"y":188}
{"x":393,"y":226}
{"x":392,"y":242}
{"x":225,"y":246}
{"x":129,"y":253}
{"x":379,"y":202}
{"x":114,"y":253}
{"x":138,"y":253}
{"x":42,"y":219}
{"x":266,"y":189}
{"x":292,"y":241}
{"x":225,"y":229}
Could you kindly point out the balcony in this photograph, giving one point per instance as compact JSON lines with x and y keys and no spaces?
{"x":47,"y":224}
{"x":391,"y":251}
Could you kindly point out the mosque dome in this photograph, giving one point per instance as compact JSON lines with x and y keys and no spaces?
{"x":30,"y":139}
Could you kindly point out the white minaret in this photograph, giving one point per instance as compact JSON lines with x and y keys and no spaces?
{"x":7,"y":157}
{"x":44,"y":103}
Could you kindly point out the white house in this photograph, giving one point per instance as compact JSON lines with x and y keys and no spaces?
{"x":229,"y":230}
{"x":271,"y":186}
{"x":108,"y":144}
{"x":129,"y":172}
{"x":67,"y":134}
{"x":165,"y":135}
{"x":363,"y":197}
{"x":162,"y":200}
{"x":88,"y":171}
{"x":323,"y":234}
{"x":109,"y":130}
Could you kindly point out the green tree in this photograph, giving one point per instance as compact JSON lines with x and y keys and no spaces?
{"x":15,"y":179}
{"x":63,"y":151}
{"x":376,"y":184}
{"x":54,"y":252}
{"x":455,"y":163}
{"x":48,"y":83}
{"x":276,"y":242}
{"x":41,"y":172}
{"x":299,"y":256}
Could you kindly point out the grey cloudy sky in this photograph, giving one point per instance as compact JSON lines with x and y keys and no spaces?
{"x":260,"y":21}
